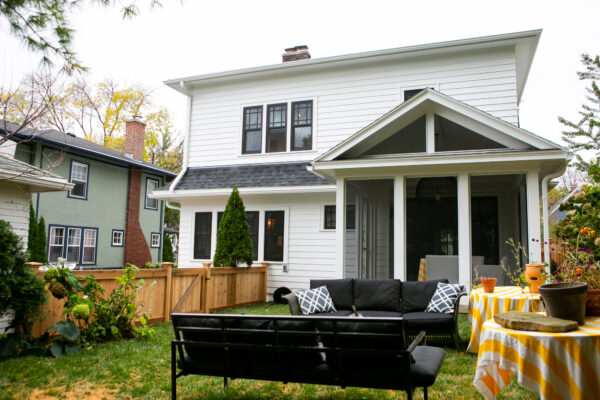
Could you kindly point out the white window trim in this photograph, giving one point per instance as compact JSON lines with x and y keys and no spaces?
{"x":322,"y":217}
{"x":78,"y":245}
{"x":83,"y":246}
{"x":62,"y":246}
{"x":122,"y":237}
{"x":146,"y":198}
{"x":152,"y":237}
{"x":87,"y":176}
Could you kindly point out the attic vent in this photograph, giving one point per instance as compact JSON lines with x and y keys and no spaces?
{"x":70,"y":134}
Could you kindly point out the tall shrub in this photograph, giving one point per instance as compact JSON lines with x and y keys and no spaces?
{"x":167,"y":255}
{"x":42,"y":255}
{"x":234,"y":245}
{"x":32,"y":238}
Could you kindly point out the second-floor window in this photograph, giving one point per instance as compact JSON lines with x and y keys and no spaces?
{"x":302,"y":125}
{"x":252,"y":132}
{"x":151,"y":185}
{"x":79,"y":176}
{"x":276,"y":127}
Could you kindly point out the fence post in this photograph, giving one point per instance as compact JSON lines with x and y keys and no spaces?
{"x":168,"y":287}
{"x":205,"y":285}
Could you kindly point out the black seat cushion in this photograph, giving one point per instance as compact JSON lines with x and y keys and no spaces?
{"x":381,"y":314}
{"x":424,"y":320}
{"x":203,"y":366}
{"x":378,"y":294}
{"x":428,"y":361}
{"x":340,"y":290}
{"x":416,"y":295}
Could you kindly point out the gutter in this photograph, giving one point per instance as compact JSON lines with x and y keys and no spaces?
{"x":186,"y":138}
{"x":545,"y":219}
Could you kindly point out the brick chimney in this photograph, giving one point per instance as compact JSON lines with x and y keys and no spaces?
{"x":296,"y":53}
{"x":135,"y":130}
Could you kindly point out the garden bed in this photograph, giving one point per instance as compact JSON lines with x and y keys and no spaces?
{"x":140,"y":368}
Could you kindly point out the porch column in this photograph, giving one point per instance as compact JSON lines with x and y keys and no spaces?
{"x":340,"y":226}
{"x":399,"y":229}
{"x":533,"y":216}
{"x":464,"y":228}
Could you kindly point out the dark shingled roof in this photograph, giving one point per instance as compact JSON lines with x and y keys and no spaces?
{"x":249,"y":175}
{"x":70,"y":141}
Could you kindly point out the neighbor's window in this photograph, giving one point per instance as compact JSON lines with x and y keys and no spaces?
{"x":276,"y":127}
{"x":274,"y":232}
{"x":155,"y":240}
{"x":56,"y":243}
{"x":329,"y":217}
{"x":202,"y":232}
{"x":117,"y":237}
{"x":252,"y":132}
{"x":79,"y":176}
{"x":151,"y":185}
{"x":252,"y":217}
{"x":89,"y":246}
{"x":302,"y":125}
{"x":73,"y":244}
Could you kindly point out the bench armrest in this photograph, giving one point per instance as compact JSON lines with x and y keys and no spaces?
{"x":420,"y":338}
{"x":457,"y":304}
{"x":292,"y":301}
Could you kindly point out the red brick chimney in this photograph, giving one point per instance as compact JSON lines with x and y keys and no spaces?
{"x":135,"y":130}
{"x":296,"y":53}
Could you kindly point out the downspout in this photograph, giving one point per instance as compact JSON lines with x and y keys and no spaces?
{"x":545,"y":181}
{"x":186,"y":140}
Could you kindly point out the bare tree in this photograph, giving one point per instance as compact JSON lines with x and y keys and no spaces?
{"x":572,"y":178}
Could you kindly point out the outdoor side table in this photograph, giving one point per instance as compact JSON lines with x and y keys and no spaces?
{"x":483,"y":306}
{"x":552,"y":365}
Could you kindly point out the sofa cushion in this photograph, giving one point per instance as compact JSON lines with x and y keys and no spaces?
{"x":428,"y":361}
{"x":338,"y":313}
{"x":341,"y":291}
{"x":417,"y":295}
{"x":381,"y":314}
{"x":444,"y":298}
{"x":424,"y":320}
{"x":378,"y":294}
{"x":315,"y":300}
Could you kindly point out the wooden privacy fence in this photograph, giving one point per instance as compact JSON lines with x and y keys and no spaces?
{"x":188,"y":289}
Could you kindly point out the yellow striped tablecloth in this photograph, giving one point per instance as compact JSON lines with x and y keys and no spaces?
{"x":552,"y":365}
{"x":483,"y":306}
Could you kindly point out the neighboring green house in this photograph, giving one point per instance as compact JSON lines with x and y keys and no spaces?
{"x":106,"y":219}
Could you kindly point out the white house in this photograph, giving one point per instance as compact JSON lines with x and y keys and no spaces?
{"x":360,"y":165}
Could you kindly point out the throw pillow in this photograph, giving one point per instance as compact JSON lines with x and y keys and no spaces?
{"x":315,"y":301}
{"x":444,"y":298}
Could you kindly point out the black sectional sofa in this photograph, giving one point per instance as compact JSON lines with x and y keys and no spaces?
{"x":328,"y":350}
{"x":390,"y":298}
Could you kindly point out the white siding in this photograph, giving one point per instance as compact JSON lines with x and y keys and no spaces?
{"x":309,"y":251}
{"x":14,"y":208}
{"x":346,"y":100}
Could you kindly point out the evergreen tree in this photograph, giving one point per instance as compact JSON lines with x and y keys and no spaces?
{"x":33,"y":235}
{"x":167,"y":254}
{"x":234,"y":245}
{"x":42,"y":255}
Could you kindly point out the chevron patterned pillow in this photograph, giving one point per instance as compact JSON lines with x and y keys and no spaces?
{"x":444,"y":298}
{"x":315,"y":300}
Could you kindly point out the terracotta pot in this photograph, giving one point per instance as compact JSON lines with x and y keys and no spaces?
{"x":533,"y":275}
{"x":592,"y":303}
{"x":565,"y":300}
{"x":488,"y":284}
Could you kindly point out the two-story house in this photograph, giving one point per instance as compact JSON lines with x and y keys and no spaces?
{"x":106,"y":219}
{"x":360,"y":165}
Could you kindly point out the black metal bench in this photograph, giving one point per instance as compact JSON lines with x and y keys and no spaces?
{"x":341,"y":351}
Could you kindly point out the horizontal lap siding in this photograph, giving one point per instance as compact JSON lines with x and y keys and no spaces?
{"x":346,"y":100}
{"x":14,"y":208}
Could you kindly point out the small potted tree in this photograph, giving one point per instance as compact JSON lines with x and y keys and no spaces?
{"x":234,"y":245}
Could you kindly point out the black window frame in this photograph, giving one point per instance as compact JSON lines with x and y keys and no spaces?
{"x":267,"y":239}
{"x":332,"y":223}
{"x":146,"y":198}
{"x":276,"y":129}
{"x":329,"y":212}
{"x":206,"y":235}
{"x":296,"y":124}
{"x":87,"y":180}
{"x":112,"y":238}
{"x":246,"y":129}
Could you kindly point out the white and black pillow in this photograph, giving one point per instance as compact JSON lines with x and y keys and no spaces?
{"x":444,"y":298}
{"x":315,"y":300}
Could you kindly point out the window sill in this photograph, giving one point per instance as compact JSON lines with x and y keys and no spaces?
{"x":278,"y":153}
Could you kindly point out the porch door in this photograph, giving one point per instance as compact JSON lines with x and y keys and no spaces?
{"x":366,"y":268}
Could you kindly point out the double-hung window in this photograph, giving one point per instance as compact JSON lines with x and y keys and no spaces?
{"x":89,"y":246}
{"x":56,"y":243}
{"x":202,"y":233}
{"x":73,"y":244}
{"x":252,"y":132}
{"x":274,"y":231}
{"x":151,"y":185}
{"x":155,"y":240}
{"x":276,"y":127}
{"x":117,"y":238}
{"x":79,"y":176}
{"x":78,"y":245}
{"x":301,"y":125}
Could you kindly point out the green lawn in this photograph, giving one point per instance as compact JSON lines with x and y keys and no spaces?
{"x":140,"y":369}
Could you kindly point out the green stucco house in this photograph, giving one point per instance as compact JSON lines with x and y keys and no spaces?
{"x":106,"y":219}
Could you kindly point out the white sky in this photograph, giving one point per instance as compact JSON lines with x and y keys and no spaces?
{"x":210,"y":36}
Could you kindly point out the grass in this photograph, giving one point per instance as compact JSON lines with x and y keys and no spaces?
{"x":136,"y":369}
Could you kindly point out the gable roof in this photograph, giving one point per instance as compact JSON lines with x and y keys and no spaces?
{"x":38,"y":180}
{"x":429,"y":99}
{"x":70,"y":141}
{"x":525,"y":44}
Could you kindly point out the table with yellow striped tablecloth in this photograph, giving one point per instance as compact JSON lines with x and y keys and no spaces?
{"x":422,"y":270}
{"x":552,"y":365}
{"x":483,"y":306}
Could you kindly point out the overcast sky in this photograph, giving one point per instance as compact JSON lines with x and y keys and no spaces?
{"x":210,"y":36}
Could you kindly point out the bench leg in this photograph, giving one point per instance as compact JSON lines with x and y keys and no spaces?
{"x":224,"y":382}
{"x":425,"y":393}
{"x":173,"y":372}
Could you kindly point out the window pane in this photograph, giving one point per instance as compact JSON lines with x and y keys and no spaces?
{"x":151,"y":185}
{"x":252,"y":217}
{"x":253,"y":118}
{"x":79,"y":172}
{"x":74,"y":238}
{"x":57,"y":236}
{"x":202,"y":232}
{"x":276,"y":127}
{"x":329,"y":217}
{"x":274,"y":224}
{"x":73,"y":254}
{"x":277,"y":115}
{"x":303,"y":138}
{"x":253,"y":142}
{"x":54,"y":253}
{"x":276,"y":140}
{"x":89,"y":246}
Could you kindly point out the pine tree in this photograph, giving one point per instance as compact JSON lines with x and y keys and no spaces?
{"x":42,"y":255}
{"x":234,"y":245}
{"x":167,"y":255}
{"x":32,"y":237}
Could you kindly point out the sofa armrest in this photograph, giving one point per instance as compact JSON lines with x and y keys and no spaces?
{"x":457,"y":304}
{"x":292,"y":301}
